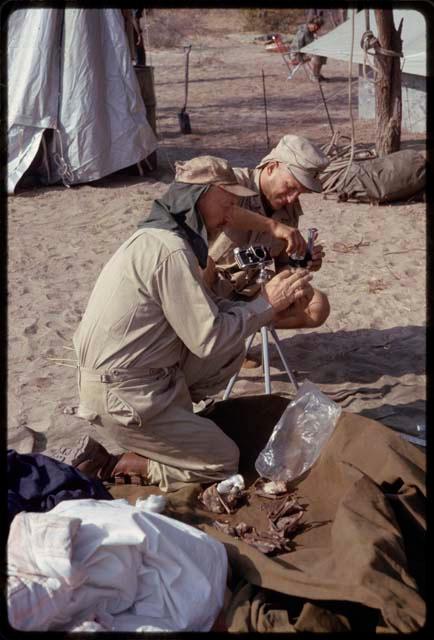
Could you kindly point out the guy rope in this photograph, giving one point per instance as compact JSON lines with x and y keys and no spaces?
{"x":344,"y":153}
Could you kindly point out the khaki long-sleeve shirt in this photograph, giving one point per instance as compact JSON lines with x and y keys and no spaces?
{"x":149,"y":304}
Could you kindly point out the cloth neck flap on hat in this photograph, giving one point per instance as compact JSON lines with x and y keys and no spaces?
{"x":176,"y":211}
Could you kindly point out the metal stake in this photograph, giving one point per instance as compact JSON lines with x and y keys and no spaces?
{"x":265,"y":109}
{"x":325,"y":106}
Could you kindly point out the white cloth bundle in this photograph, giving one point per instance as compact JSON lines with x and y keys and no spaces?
{"x":121,"y":567}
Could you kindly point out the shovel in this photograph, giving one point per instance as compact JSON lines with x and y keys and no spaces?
{"x":183,"y":117}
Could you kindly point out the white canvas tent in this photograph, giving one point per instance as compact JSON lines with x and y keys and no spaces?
{"x":337,"y":43}
{"x":70,"y":73}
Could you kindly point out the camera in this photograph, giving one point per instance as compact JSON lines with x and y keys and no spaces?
{"x":252,"y":257}
{"x":303,"y":261}
{"x":300,"y":262}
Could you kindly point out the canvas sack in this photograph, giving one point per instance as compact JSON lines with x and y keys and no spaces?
{"x":397,"y":176}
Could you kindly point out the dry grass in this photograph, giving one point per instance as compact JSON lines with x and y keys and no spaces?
{"x":176,"y":27}
{"x":273,"y":20}
{"x":342,"y":247}
{"x":376,"y":284}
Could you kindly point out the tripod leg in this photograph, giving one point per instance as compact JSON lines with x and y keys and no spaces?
{"x":265,"y":359}
{"x":282,"y":357}
{"x":231,"y":383}
{"x":233,"y":380}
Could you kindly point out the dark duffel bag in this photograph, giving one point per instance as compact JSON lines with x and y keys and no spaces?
{"x":397,"y":176}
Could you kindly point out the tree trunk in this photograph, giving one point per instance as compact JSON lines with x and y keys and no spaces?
{"x":388,"y":101}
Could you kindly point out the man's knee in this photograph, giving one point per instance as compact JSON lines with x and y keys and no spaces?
{"x":308,"y":317}
{"x":318,"y":309}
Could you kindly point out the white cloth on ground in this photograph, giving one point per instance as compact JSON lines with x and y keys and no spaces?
{"x":120,"y":566}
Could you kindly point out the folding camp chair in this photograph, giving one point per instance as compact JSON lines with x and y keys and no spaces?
{"x":287,"y":58}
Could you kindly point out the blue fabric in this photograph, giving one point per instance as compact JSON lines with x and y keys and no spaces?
{"x":37,"y":483}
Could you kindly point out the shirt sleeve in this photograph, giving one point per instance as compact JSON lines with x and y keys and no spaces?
{"x":195,"y":317}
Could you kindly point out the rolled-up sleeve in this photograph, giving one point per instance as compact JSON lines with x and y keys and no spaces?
{"x":198,"y":321}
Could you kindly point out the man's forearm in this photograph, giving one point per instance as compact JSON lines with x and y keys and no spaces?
{"x":246,"y":220}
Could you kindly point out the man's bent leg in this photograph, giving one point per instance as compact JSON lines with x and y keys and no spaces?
{"x":316,"y":63}
{"x":303,"y":317}
{"x":180,"y":446}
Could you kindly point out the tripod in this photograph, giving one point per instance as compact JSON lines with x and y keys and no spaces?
{"x":264,"y":276}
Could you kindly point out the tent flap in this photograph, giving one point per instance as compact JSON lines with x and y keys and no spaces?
{"x":337,"y":43}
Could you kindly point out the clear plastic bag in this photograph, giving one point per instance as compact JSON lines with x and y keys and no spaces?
{"x":299,"y":436}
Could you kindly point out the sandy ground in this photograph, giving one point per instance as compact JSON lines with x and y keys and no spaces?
{"x":370,"y":354}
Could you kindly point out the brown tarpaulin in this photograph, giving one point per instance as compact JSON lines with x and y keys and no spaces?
{"x":360,"y":562}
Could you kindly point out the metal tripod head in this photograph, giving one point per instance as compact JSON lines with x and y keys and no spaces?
{"x":264,"y":274}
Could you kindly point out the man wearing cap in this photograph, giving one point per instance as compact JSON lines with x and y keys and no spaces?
{"x":305,"y":35}
{"x":153,"y":339}
{"x":290,"y":169}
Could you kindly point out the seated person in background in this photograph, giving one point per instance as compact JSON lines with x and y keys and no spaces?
{"x":306,"y":34}
{"x":154,"y":339}
{"x":291,"y":168}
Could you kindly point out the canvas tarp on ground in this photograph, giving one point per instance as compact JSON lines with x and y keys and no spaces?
{"x":337,"y":43}
{"x":70,"y":72}
{"x":360,"y":563}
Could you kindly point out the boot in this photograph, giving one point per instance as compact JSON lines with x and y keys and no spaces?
{"x":131,"y":468}
{"x":94,"y":461}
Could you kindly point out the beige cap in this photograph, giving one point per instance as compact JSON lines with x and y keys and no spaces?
{"x":304,"y":160}
{"x":211,"y":170}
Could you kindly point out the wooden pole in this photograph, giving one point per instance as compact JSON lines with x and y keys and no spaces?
{"x":388,"y":96}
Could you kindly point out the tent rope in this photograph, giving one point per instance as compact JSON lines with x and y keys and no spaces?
{"x":339,"y":152}
{"x":350,"y":96}
{"x":342,"y":156}
{"x":369,"y":41}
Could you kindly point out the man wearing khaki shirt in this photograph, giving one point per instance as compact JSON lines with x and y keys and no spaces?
{"x":154,"y":339}
{"x":290,"y":169}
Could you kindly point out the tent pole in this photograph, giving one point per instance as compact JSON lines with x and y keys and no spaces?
{"x":367,"y":24}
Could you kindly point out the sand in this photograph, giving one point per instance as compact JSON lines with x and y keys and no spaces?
{"x":370,"y":354}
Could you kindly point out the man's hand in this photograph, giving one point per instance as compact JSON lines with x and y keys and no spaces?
{"x":209,"y":274}
{"x":246,"y":220}
{"x":295,"y":243}
{"x":317,"y":256}
{"x":285,"y":288}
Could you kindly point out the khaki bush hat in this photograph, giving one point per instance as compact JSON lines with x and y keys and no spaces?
{"x":304,"y":160}
{"x":210,"y":170}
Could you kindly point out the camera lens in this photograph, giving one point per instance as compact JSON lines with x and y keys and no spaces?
{"x":259,"y":253}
